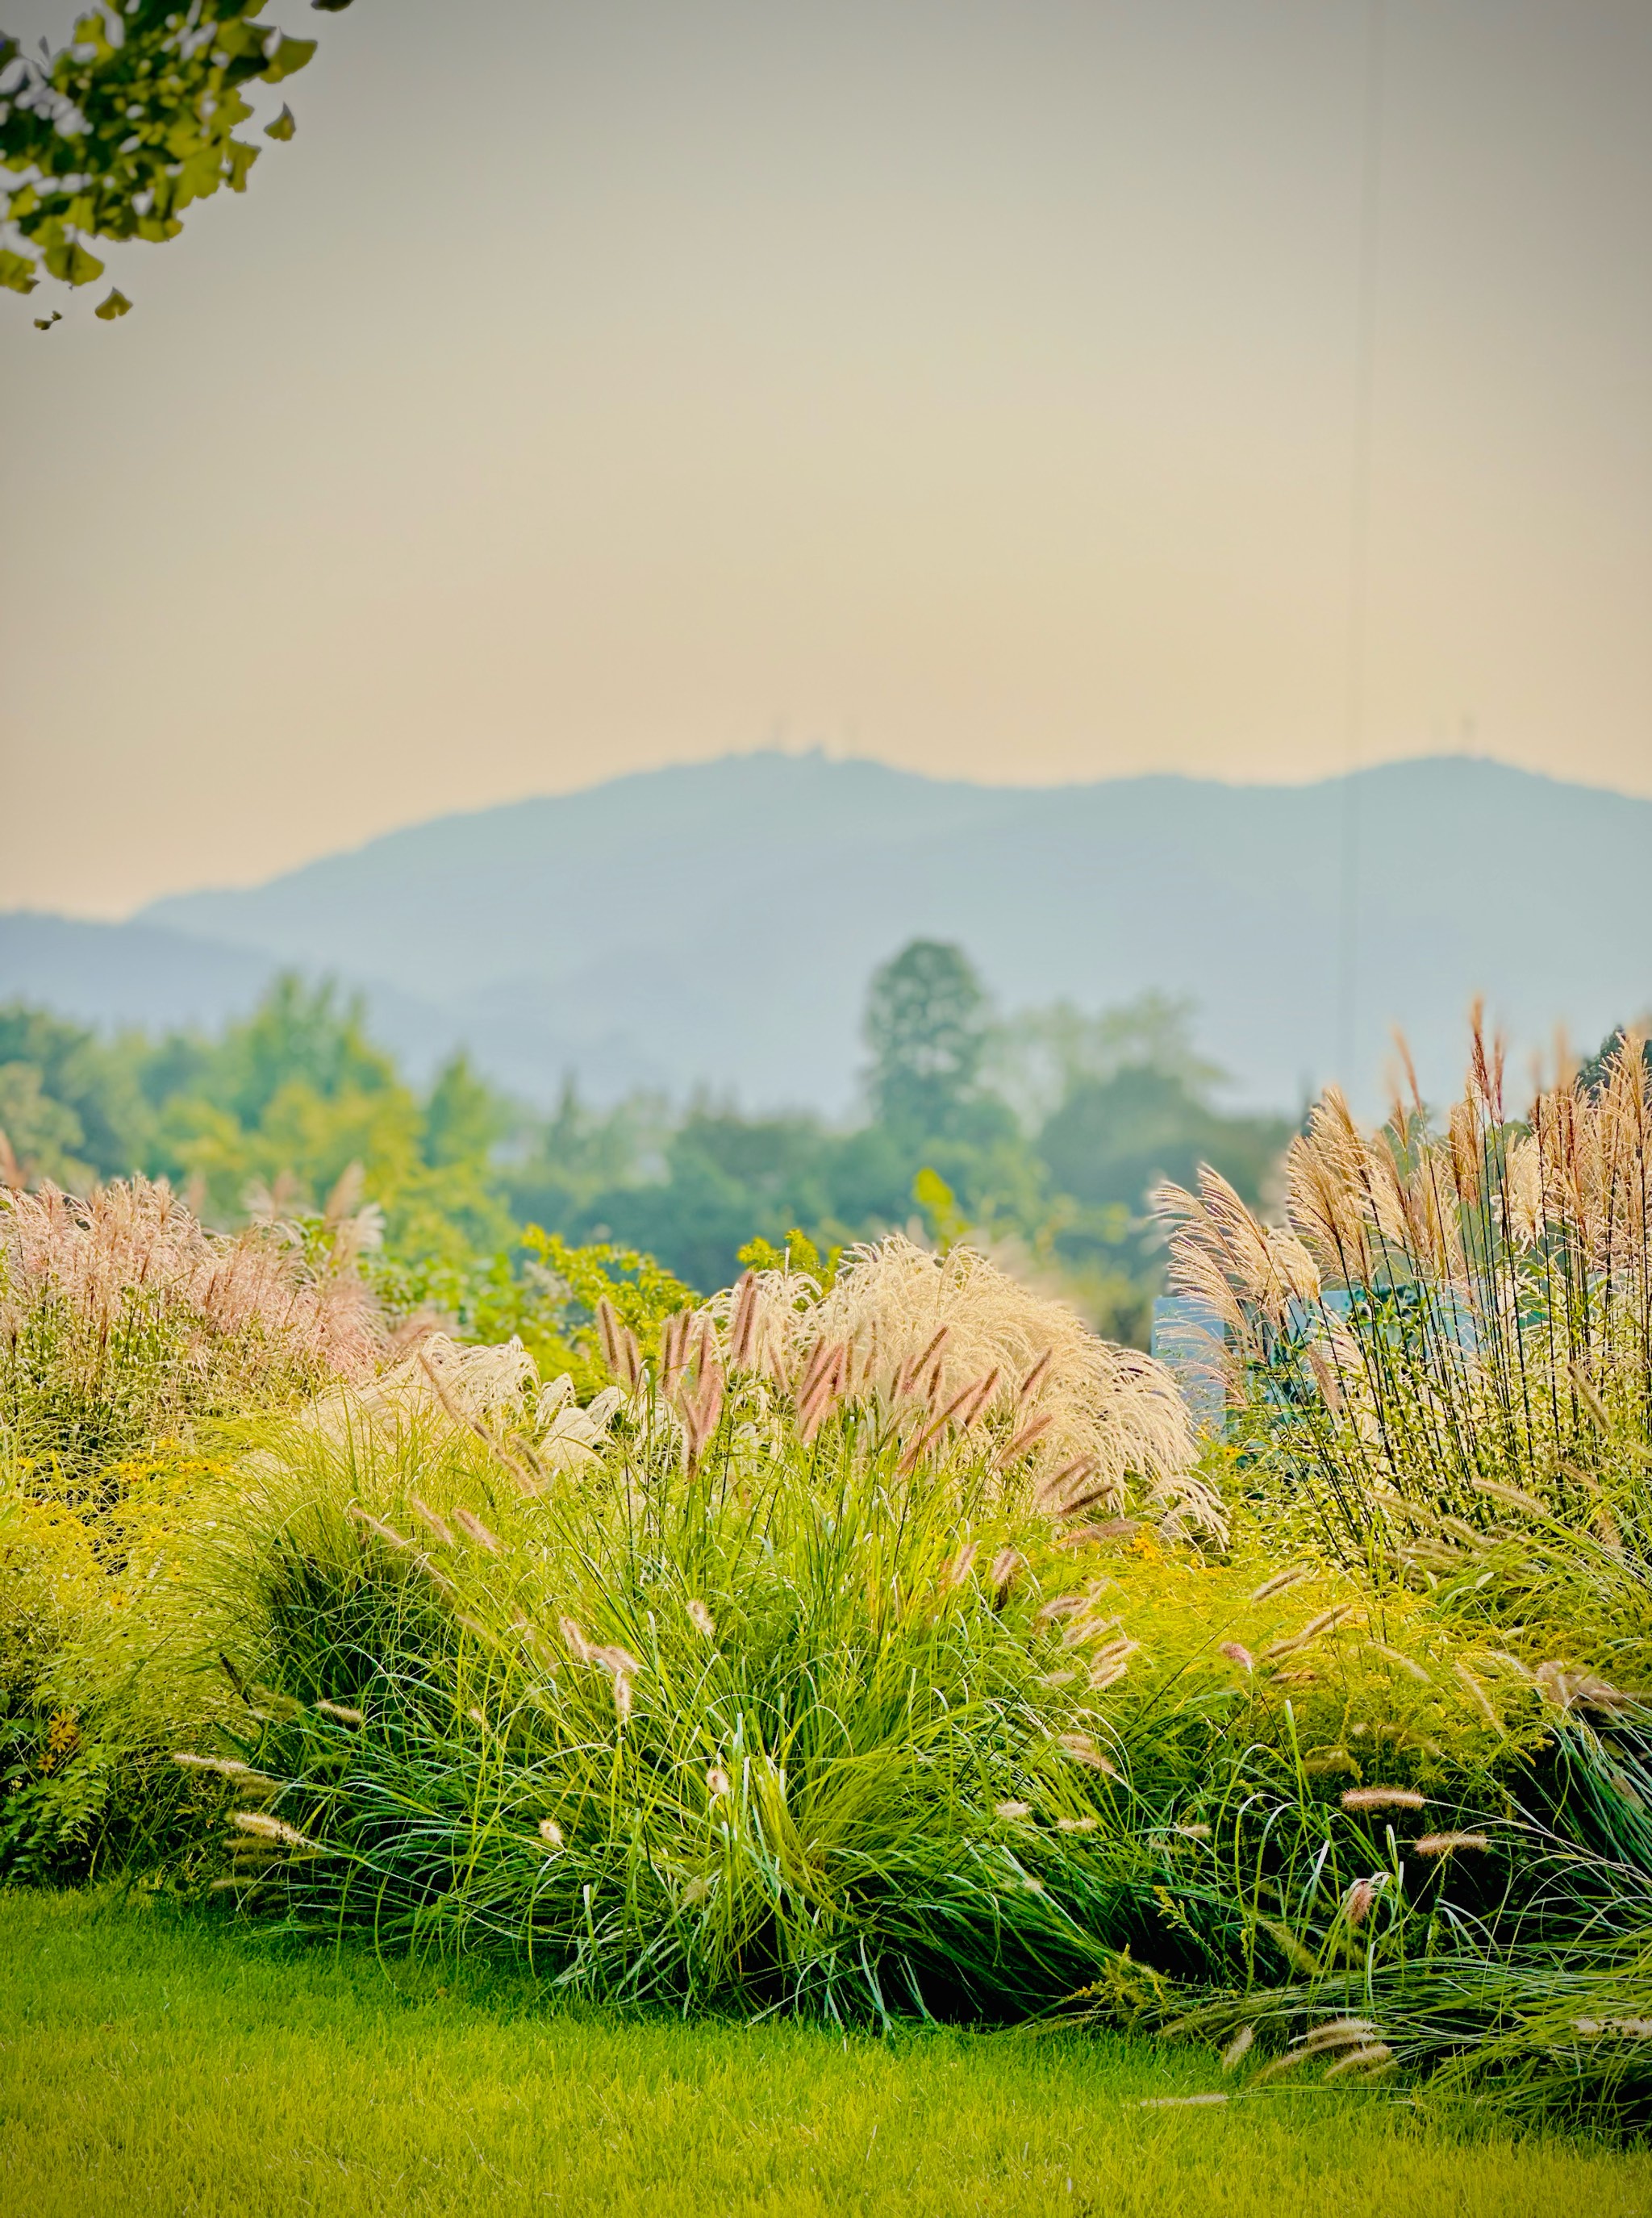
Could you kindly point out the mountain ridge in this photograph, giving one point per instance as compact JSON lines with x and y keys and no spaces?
{"x":526,"y":806}
{"x":714,"y":925}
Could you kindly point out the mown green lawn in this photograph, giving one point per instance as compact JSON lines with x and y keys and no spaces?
{"x":150,"y":2063}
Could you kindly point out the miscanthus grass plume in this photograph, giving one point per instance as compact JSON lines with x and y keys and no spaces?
{"x":1452,"y":1332}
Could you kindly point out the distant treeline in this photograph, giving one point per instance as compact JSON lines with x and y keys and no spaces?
{"x":1046,"y":1130}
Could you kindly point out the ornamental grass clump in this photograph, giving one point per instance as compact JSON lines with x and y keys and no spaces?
{"x":123,"y":1321}
{"x":1087,"y":1423}
{"x":1506,"y":1955}
{"x":739,"y":1729}
{"x":127,"y":1331}
{"x":1347,"y":1801}
{"x":1440,"y":1376}
{"x":773,"y":1676}
{"x":1451,"y":1335}
{"x":942,"y":1359}
{"x":769,"y":1710}
{"x":802,"y":1730}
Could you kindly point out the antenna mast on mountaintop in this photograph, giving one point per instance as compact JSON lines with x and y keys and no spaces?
{"x":1359,"y":551}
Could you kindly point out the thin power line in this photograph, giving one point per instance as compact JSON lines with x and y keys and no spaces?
{"x":1359,"y":551}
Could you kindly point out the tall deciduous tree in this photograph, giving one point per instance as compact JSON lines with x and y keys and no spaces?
{"x":928,"y":1024}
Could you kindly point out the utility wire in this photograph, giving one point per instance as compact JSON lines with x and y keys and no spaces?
{"x":1359,"y":551}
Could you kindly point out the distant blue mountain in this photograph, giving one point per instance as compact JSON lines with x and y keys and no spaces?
{"x":112,"y":975}
{"x":715,"y":925}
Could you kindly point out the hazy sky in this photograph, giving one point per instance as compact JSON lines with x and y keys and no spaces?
{"x":972,"y":385}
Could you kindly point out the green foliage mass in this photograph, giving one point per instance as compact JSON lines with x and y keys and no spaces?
{"x":1112,"y":1140}
{"x":266,"y":1118}
{"x":120,"y":131}
{"x":40,"y":1132}
{"x":725,"y":1177}
{"x":548,"y":1297}
{"x":84,"y":1105}
{"x":1048,"y":1132}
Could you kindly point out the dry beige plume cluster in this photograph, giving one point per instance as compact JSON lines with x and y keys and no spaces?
{"x":944,"y":1347}
{"x":492,"y":1391}
{"x":133,"y":1242}
{"x":1533,"y":1228}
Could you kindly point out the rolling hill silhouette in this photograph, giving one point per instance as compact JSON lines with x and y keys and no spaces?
{"x":715,"y":925}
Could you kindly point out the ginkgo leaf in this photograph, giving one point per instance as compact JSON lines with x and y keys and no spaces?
{"x":291,"y":56}
{"x":16,"y":272}
{"x":283,"y":126}
{"x":70,"y":261}
{"x":116,"y":304}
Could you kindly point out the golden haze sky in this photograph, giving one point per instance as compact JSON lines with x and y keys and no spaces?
{"x":970,"y":386}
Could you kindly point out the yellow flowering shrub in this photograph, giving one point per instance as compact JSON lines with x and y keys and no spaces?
{"x":86,"y":1584}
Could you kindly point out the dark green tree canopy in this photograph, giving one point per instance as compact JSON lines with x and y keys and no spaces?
{"x":116,"y":133}
{"x":1113,"y":1139}
{"x":1593,"y":1072}
{"x":928,"y":1027}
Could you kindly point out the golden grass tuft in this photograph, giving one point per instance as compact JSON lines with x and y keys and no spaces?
{"x":978,"y":1346}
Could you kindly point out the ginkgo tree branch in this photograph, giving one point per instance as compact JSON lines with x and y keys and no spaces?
{"x":113,"y":135}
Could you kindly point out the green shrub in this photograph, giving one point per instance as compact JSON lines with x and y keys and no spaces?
{"x":93,"y":1615}
{"x":733,"y":1686}
{"x":783,"y":1720}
